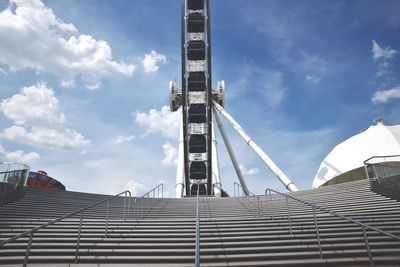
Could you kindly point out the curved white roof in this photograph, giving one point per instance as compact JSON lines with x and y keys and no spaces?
{"x":377,"y":140}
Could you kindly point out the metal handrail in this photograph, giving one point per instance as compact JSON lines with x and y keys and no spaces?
{"x":237,"y":187}
{"x":197,"y":246}
{"x":366,"y":166}
{"x":32,"y":231}
{"x":140,"y":202}
{"x":333,"y":213}
{"x":253,"y":200}
{"x":391,"y":156}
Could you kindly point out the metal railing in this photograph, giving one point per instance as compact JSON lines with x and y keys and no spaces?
{"x":144,"y":204}
{"x":237,"y":188}
{"x":325,"y":210}
{"x":31,"y":232}
{"x":251,"y":202}
{"x":378,"y":167}
{"x":14,"y":175}
{"x":197,"y":246}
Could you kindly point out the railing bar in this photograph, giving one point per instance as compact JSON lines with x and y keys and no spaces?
{"x":79,"y":238}
{"x":334,"y":213}
{"x":106,"y":230}
{"x":197,"y":246}
{"x":317,"y":232}
{"x":270,"y":198}
{"x":124,"y":207}
{"x":371,"y":261}
{"x":288,"y":215}
{"x":59,"y":219}
{"x":129,"y":208}
{"x":28,"y":249}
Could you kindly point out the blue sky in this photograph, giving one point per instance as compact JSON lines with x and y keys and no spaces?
{"x":84,"y":85}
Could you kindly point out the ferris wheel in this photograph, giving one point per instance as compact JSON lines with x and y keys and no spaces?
{"x":198,"y":170}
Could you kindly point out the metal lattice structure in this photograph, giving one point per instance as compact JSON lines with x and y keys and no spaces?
{"x":195,"y":97}
{"x":198,"y":160}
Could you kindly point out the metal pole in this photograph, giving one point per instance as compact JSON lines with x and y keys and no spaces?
{"x":147,"y":204}
{"x":231,"y":153}
{"x":28,"y":249}
{"x":317,"y":231}
{"x":270,"y":198}
{"x":288,"y":215}
{"x":180,"y":168}
{"x":108,"y":208}
{"x":141,"y":208}
{"x":371,"y":261}
{"x":197,"y":246}
{"x":79,"y":238}
{"x":260,"y":211}
{"x":250,"y":142}
{"x":129,"y":206}
{"x":216,"y":178}
{"x":124,"y":206}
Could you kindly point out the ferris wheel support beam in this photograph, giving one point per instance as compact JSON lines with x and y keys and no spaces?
{"x":216,"y":179}
{"x":180,"y":169}
{"x":260,"y":153}
{"x":231,"y":154}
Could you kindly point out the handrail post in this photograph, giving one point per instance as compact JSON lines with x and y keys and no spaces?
{"x":288,"y":215}
{"x":197,"y":246}
{"x":270,"y":198}
{"x":79,"y":238}
{"x":317,"y":231}
{"x":147,"y":204}
{"x":28,"y":249}
{"x":108,"y":208}
{"x":371,"y":261}
{"x":123,"y":219}
{"x":129,"y":206}
{"x":142,"y":209}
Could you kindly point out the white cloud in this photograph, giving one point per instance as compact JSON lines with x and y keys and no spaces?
{"x":45,"y":137}
{"x":120,"y":139}
{"x":38,"y":120}
{"x":19,"y":156}
{"x":164,"y":121}
{"x":249,"y":172}
{"x":136,"y":188}
{"x":385,"y":95}
{"x":313,"y":78}
{"x":34,"y":104}
{"x":2,"y":71}
{"x":381,"y":53}
{"x":150,"y":61}
{"x":170,"y":154}
{"x":42,"y":42}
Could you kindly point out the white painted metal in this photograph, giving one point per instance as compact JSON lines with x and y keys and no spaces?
{"x":264,"y":157}
{"x":216,"y":179}
{"x":180,"y":170}
{"x":197,"y":128}
{"x":197,"y":97}
{"x":231,"y":154}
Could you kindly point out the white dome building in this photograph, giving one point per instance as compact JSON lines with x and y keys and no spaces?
{"x":346,"y":161}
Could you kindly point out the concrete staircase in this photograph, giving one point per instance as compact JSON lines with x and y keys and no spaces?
{"x":388,"y":186}
{"x":233,"y":231}
{"x":10,"y":193}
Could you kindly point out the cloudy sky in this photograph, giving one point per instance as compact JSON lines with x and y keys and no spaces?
{"x":84,"y":85}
